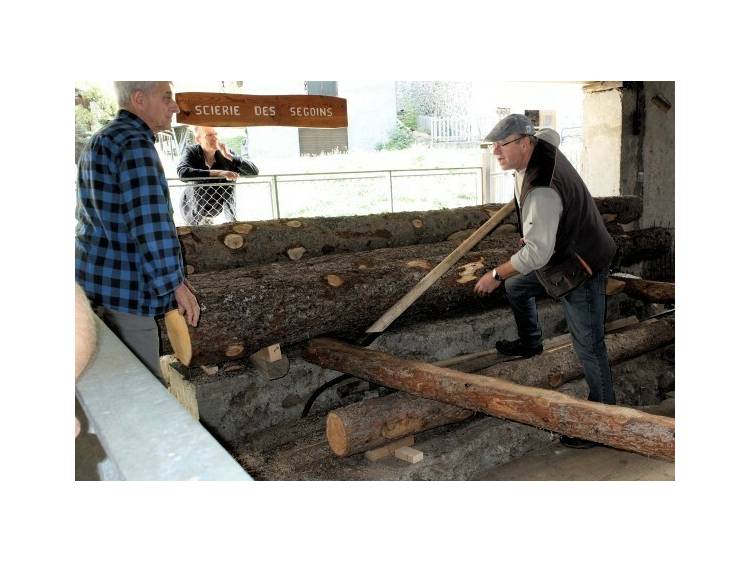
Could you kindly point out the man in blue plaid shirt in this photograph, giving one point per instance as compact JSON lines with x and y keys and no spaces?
{"x":128,"y":257}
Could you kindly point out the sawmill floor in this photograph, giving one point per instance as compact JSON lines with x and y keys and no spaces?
{"x":556,"y":462}
{"x":598,"y":463}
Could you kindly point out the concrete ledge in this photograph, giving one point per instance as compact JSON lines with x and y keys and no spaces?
{"x":136,"y":430}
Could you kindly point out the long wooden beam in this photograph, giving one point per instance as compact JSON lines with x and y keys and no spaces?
{"x":372,"y":423}
{"x":616,"y":426}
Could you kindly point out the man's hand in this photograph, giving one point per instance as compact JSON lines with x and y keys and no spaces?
{"x":486,"y":284}
{"x":225,"y":152}
{"x":187,"y":304}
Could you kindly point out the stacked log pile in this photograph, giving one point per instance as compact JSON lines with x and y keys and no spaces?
{"x":248,"y":308}
{"x":213,"y":248}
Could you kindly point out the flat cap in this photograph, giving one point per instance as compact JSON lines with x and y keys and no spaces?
{"x":513,"y":123}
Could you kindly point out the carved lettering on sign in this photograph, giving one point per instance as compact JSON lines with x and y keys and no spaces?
{"x":240,"y":110}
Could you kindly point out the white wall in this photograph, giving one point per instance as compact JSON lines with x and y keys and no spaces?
{"x":371,"y":107}
{"x":602,"y":136}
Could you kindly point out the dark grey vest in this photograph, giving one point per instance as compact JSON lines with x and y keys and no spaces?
{"x":581,"y":229}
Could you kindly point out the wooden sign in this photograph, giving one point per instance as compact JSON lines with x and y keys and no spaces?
{"x":239,"y":110}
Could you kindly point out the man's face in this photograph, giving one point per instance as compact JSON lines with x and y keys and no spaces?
{"x":510,"y":152}
{"x":157,"y":107}
{"x":208,"y":138}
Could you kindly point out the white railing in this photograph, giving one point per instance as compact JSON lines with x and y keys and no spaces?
{"x":455,"y":129}
{"x":331,"y":194}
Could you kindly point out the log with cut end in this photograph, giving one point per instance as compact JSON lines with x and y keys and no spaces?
{"x":648,"y":291}
{"x":372,"y":423}
{"x":246,"y":309}
{"x":616,"y":426}
{"x":211,"y":248}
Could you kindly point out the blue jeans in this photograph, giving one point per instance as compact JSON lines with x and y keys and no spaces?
{"x":585,"y":310}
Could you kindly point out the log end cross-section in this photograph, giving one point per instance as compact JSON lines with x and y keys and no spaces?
{"x":296,"y":252}
{"x":179,"y":336}
{"x":234,"y":241}
{"x":234,"y":350}
{"x":334,"y":280}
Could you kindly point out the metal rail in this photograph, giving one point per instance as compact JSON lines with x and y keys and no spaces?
{"x":274,"y":180}
{"x":144,"y":433}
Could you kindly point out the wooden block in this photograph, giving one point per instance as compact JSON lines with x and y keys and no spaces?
{"x":271,"y":353}
{"x":409,"y":455}
{"x":387,"y":450}
{"x":271,"y":369}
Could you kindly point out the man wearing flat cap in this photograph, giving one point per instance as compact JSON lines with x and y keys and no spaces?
{"x":565,"y":253}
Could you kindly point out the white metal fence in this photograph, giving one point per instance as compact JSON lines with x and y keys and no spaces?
{"x":449,"y":129}
{"x":325,"y":194}
{"x":454,"y":129}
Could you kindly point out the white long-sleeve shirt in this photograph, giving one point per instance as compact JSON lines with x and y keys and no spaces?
{"x":540,"y":216}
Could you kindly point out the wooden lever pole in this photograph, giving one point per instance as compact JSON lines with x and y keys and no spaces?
{"x":428,"y":280}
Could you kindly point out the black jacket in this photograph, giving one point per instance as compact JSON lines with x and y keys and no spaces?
{"x":581,"y":228}
{"x":193,"y":165}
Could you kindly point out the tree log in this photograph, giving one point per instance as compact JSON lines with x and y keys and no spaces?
{"x":626,"y":208}
{"x":371,"y":423}
{"x":648,"y":291}
{"x":226,"y":246}
{"x":645,"y":244}
{"x":246,"y":309}
{"x":553,"y":368}
{"x":368,"y":424}
{"x":616,"y":426}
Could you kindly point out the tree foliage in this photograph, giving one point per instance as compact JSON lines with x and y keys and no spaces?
{"x":93,"y":110}
{"x":436,"y":98}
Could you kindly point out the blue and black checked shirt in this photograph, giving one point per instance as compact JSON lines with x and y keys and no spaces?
{"x":128,"y":256}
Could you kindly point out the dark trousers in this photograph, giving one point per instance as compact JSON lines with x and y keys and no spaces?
{"x":585,"y":311}
{"x":139,"y":333}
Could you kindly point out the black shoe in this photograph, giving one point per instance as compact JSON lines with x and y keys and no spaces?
{"x":516,"y":347}
{"x":577,"y":442}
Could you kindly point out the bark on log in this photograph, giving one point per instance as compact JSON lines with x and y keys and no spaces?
{"x":371,"y":423}
{"x":227,"y":246}
{"x":627,"y":208}
{"x":648,"y":243}
{"x":361,"y":426}
{"x":616,"y":426}
{"x":553,"y":368}
{"x":648,"y":291}
{"x":246,"y":309}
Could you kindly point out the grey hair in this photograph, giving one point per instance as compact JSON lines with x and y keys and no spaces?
{"x":126,"y":89}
